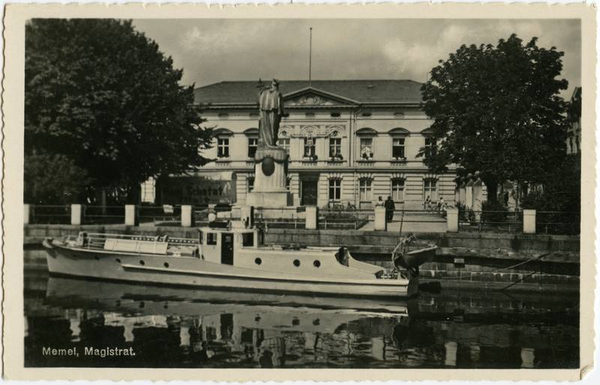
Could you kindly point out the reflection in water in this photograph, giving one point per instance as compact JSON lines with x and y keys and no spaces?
{"x":169,"y":327}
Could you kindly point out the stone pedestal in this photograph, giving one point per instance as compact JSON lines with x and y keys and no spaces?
{"x":529,"y":221}
{"x":452,"y":220}
{"x":312,"y":218}
{"x":270,"y":179}
{"x":76,"y":214}
{"x":130,"y":215}
{"x":469,"y":197}
{"x":380,"y":220}
{"x":187,"y":216}
{"x":26,"y":214}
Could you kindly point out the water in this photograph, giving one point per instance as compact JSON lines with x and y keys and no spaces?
{"x":170,"y":327}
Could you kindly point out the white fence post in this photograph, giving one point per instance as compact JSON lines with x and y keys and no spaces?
{"x":26,"y":214}
{"x":380,"y":219}
{"x":187,"y":216}
{"x":76,"y":214}
{"x":130,"y":215}
{"x":312,"y":218}
{"x":452,"y":220}
{"x":529,"y":221}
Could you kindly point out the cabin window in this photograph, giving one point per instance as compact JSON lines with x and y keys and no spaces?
{"x":317,"y":263}
{"x":248,"y":239}
{"x":258,"y":261}
{"x":211,"y":238}
{"x":296,"y":262}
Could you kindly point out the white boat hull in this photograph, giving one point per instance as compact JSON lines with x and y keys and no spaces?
{"x":195,"y":272}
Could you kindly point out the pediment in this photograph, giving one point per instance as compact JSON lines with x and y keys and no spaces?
{"x":313,"y":97}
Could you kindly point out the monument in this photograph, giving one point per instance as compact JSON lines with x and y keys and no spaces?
{"x":270,"y":161}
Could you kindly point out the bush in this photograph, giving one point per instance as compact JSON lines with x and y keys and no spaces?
{"x":494,"y":212}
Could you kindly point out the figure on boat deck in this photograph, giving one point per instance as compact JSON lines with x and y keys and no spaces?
{"x":400,"y":252}
{"x":271,"y":110}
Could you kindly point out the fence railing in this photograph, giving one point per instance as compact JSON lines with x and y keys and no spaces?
{"x":335,"y":218}
{"x":103,"y":215}
{"x":344,"y":219}
{"x":164,"y":215}
{"x":50,"y":214}
{"x":281,"y":218}
{"x":558,"y":222}
{"x":492,"y":221}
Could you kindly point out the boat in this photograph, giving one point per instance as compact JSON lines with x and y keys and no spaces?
{"x":226,"y":258}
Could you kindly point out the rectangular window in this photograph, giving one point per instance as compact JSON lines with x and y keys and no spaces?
{"x":365,"y":190}
{"x":335,"y":189}
{"x":335,"y":147}
{"x":252,"y":146}
{"x":248,"y":239}
{"x":223,"y":147}
{"x":398,"y":190}
{"x":398,"y":148}
{"x":211,"y":238}
{"x":366,"y":148}
{"x":430,"y":144}
{"x":250,"y":183}
{"x":284,"y":143}
{"x":309,"y":147}
{"x":430,"y":189}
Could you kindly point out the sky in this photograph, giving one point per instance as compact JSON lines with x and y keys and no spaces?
{"x":214,"y":50}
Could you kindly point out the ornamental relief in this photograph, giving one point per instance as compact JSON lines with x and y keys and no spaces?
{"x":310,"y":100}
{"x":312,"y":131}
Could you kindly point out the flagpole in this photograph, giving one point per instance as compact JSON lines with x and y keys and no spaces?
{"x":310,"y":59}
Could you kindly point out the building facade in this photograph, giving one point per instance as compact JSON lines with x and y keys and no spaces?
{"x":349,"y":142}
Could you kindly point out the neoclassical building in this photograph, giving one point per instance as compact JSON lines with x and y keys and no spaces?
{"x":349,"y":141}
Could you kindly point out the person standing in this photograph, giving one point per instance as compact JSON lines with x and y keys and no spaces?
{"x":389,"y":209}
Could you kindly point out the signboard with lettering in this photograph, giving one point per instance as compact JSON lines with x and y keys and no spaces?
{"x":198,"y":190}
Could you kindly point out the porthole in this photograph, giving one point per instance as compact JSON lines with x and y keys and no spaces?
{"x":317,"y":263}
{"x":142,"y":305}
{"x":166,"y":264}
{"x":317,"y":322}
{"x":96,"y":258}
{"x":296,"y":262}
{"x":295,"y":322}
{"x":142,"y":263}
{"x":258,"y":261}
{"x":118,"y":260}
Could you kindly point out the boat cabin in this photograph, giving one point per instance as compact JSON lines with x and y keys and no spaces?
{"x":243,"y":247}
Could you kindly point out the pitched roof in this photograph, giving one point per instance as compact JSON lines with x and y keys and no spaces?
{"x":363,"y":91}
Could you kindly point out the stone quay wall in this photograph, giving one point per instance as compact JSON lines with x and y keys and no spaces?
{"x":491,"y":260}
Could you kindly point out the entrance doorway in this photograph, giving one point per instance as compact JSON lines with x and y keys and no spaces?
{"x":310,"y":190}
{"x":227,"y":249}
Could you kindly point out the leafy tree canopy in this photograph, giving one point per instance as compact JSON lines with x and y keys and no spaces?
{"x":105,"y":97}
{"x":497,"y":110}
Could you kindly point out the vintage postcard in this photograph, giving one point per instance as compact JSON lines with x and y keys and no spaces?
{"x":299,"y":192}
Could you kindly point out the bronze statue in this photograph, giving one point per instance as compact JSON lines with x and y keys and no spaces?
{"x":271,"y":110}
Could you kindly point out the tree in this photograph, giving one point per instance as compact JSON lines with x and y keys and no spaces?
{"x":102,"y":95}
{"x":53,"y":179}
{"x":497,"y":110}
